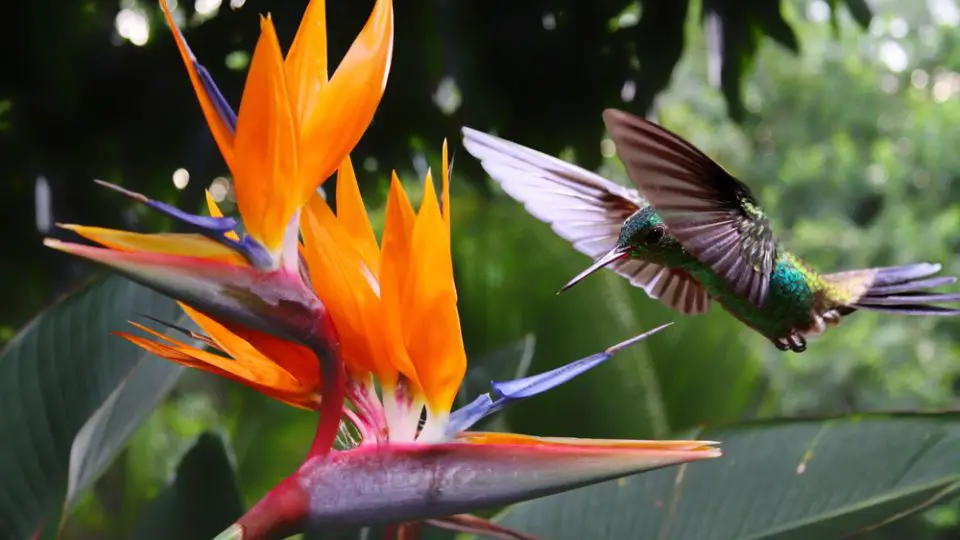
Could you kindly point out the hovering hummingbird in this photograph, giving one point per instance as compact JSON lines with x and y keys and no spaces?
{"x":690,"y":232}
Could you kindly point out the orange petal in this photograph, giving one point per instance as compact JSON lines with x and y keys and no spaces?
{"x":192,"y":245}
{"x":306,"y":63}
{"x":352,"y":213}
{"x":265,"y":145}
{"x":432,"y":324}
{"x":265,"y":377}
{"x":394,"y":267}
{"x":347,"y":289}
{"x":216,"y":212}
{"x":334,"y":116}
{"x":297,"y":360}
{"x":222,"y":133}
{"x":328,"y":253}
{"x":241,"y":342}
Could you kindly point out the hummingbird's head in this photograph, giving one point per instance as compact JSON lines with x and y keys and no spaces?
{"x":642,"y":236}
{"x":642,"y":231}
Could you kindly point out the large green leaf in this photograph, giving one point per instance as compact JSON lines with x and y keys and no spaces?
{"x":202,"y":500}
{"x":108,"y":429}
{"x":822,"y":478}
{"x":71,"y":393}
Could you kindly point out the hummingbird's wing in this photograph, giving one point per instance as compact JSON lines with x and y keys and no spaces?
{"x":583,"y":208}
{"x":674,"y":288}
{"x":712,"y":214}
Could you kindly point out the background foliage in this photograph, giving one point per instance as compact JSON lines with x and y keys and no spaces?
{"x":844,"y":124}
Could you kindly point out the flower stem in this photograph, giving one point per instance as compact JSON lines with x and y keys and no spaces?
{"x":334,"y":394}
{"x":279,"y":514}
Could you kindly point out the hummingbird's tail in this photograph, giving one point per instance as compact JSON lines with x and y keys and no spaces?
{"x":894,"y":289}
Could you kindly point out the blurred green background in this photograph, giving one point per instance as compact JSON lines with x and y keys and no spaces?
{"x":844,"y":125}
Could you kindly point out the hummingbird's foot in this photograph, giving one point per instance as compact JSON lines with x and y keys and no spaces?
{"x":794,"y":342}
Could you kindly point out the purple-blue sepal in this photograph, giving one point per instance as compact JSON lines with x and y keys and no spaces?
{"x":506,"y":392}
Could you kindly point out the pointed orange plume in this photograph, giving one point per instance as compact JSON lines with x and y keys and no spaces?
{"x":352,"y":213}
{"x":337,"y":272}
{"x":432,"y":333}
{"x":394,"y":269}
{"x":306,"y":62}
{"x":248,"y":364}
{"x":334,"y":116}
{"x":265,"y":146}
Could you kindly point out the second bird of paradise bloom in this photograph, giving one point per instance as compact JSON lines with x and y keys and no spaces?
{"x":295,"y":127}
{"x":394,"y":305}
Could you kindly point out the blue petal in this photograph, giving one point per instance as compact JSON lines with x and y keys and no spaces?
{"x":258,"y":255}
{"x":223,"y":108}
{"x":507,"y":392}
{"x":219,"y":102}
{"x":211,"y":227}
{"x":468,"y":415}
{"x":207,"y":223}
{"x":537,"y":384}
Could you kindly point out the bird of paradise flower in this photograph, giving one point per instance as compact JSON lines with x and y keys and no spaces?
{"x":394,"y":307}
{"x":363,"y":314}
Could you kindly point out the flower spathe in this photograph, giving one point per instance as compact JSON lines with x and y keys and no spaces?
{"x":294,"y":128}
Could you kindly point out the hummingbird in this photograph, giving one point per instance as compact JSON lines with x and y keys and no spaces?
{"x":689,"y":233}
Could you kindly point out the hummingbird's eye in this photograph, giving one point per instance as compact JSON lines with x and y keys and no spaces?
{"x":654,"y":236}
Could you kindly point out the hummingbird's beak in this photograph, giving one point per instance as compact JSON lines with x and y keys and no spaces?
{"x":615,"y":254}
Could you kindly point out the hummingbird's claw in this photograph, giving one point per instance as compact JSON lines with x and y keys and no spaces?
{"x":797,"y":343}
{"x":794,"y":342}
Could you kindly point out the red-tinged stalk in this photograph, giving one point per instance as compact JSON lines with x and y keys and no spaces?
{"x":281,"y":513}
{"x":334,"y":380}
